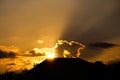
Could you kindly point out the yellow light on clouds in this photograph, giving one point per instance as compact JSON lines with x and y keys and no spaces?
{"x":52,"y":55}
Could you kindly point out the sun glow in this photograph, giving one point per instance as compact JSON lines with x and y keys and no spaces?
{"x":48,"y":52}
{"x":52,"y":55}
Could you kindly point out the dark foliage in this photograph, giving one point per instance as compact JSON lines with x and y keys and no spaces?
{"x":68,"y":68}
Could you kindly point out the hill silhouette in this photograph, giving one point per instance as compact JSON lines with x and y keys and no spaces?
{"x":67,"y":68}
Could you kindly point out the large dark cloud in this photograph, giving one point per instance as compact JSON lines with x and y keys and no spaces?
{"x":70,"y":49}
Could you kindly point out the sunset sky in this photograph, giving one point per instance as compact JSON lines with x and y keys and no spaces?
{"x":39,"y":24}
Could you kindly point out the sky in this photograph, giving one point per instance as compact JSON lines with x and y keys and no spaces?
{"x":27,"y":21}
{"x":27,"y":25}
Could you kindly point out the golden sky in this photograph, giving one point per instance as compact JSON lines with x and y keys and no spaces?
{"x":27,"y":21}
{"x":38,"y":24}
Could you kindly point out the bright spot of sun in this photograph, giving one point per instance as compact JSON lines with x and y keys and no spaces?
{"x":52,"y":55}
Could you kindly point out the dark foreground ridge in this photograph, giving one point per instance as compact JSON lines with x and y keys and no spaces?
{"x":68,"y":68}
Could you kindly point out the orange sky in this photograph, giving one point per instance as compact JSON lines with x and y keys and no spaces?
{"x":27,"y":21}
{"x":29,"y":24}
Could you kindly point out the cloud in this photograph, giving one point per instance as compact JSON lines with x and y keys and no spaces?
{"x":101,"y":51}
{"x":66,"y":48}
{"x":38,"y":52}
{"x":40,"y":41}
{"x":9,"y":48}
{"x":11,"y":64}
{"x":34,"y":53}
{"x":103,"y":45}
{"x":19,"y":63}
{"x":8,"y":51}
{"x":4,"y":54}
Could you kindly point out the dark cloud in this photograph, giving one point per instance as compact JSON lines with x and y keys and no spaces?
{"x":34,"y":53}
{"x":38,"y":52}
{"x":100,"y":50}
{"x":4,"y":54}
{"x":70,"y":49}
{"x":102,"y":45}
